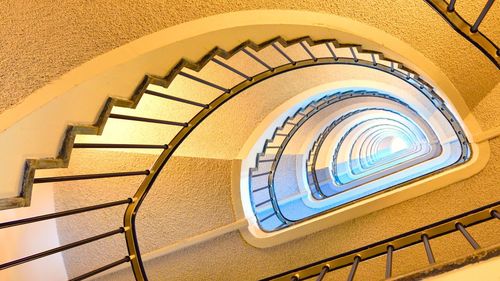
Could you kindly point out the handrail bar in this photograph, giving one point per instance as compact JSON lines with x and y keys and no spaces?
{"x":63,"y":213}
{"x":60,"y":249}
{"x":101,"y":269}
{"x":90,"y":176}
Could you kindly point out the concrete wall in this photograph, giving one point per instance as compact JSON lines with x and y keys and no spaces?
{"x":21,"y":241}
{"x":43,"y":39}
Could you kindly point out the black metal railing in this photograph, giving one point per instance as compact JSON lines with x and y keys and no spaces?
{"x":389,"y":247}
{"x":75,"y":244}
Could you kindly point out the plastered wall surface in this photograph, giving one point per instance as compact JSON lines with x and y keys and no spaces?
{"x":40,"y":40}
{"x":488,"y":109}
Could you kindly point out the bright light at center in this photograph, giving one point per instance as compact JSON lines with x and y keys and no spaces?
{"x":398,"y":144}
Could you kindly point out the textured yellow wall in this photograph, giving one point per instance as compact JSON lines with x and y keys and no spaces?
{"x":40,"y":40}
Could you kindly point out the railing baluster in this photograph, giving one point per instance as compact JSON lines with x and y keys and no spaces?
{"x":262,"y":174}
{"x":428,"y":249}
{"x":388,"y":262}
{"x":374,"y":61}
{"x":357,"y":259}
{"x":169,"y":97}
{"x":202,"y":81}
{"x":230,"y":68}
{"x":148,"y":120}
{"x":90,"y":176}
{"x":257,"y":59}
{"x":267,"y":217}
{"x":294,"y":278}
{"x":101,"y":269}
{"x":63,"y":213}
{"x":59,"y":249}
{"x":353,"y":54}
{"x":451,"y":6}
{"x":331,"y":51}
{"x":495,"y":214}
{"x":262,"y":203}
{"x":467,"y":236}
{"x":483,"y":13}
{"x":119,"y":145}
{"x":323,"y":273}
{"x":282,"y":53}
{"x":308,"y":51}
{"x":260,"y":188}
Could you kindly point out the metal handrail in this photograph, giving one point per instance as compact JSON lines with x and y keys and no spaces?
{"x":391,"y":245}
{"x":468,"y":31}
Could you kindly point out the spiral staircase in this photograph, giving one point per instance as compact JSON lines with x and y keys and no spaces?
{"x":190,"y":94}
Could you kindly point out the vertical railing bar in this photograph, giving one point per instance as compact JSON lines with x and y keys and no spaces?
{"x":308,"y":51}
{"x":169,"y":97}
{"x":451,"y":6}
{"x":388,"y":264}
{"x":262,"y":203}
{"x":357,"y":259}
{"x":483,"y":13}
{"x":373,"y":59}
{"x":90,"y":176}
{"x":101,"y":269}
{"x":261,"y":174}
{"x":63,"y":213}
{"x":495,"y":214}
{"x":119,"y":145}
{"x":428,"y":250}
{"x":203,"y":81}
{"x":230,"y":68}
{"x":60,"y":249}
{"x":261,"y":188}
{"x":283,"y":53}
{"x":331,"y":51}
{"x":257,"y":59}
{"x":323,"y":273}
{"x":467,"y":236}
{"x":268,"y":217}
{"x":353,"y":54}
{"x":148,"y":120}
